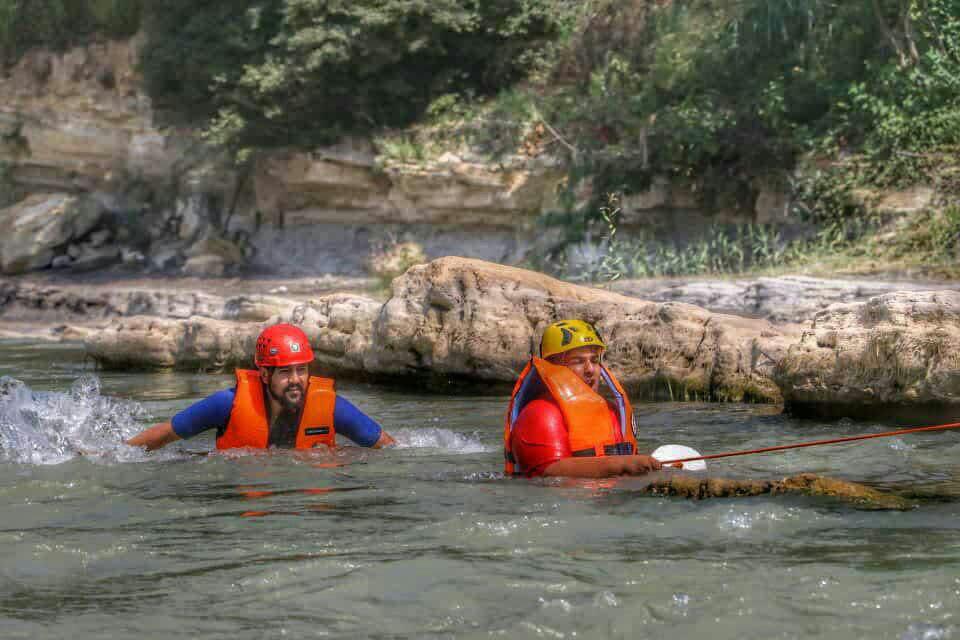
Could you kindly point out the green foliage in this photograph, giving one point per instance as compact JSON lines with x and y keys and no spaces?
{"x":907,"y":113}
{"x":710,"y":89}
{"x":720,"y":249}
{"x":935,"y":235}
{"x":62,"y":23}
{"x":304,"y":72}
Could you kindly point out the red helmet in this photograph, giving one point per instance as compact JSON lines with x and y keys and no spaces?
{"x":282,"y":345}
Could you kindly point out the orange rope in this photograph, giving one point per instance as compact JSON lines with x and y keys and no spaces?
{"x":815,"y":443}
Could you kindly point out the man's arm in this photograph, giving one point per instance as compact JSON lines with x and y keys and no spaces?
{"x":353,"y":423}
{"x":212,"y":412}
{"x":602,"y":467}
{"x":159,"y":435}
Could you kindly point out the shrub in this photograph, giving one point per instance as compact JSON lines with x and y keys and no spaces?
{"x":61,"y":23}
{"x":392,"y":259}
{"x":304,"y":72}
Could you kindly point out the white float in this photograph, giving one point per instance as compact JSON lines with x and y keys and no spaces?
{"x":668,"y":452}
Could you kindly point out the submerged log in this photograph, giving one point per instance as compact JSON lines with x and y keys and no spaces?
{"x":808,"y":484}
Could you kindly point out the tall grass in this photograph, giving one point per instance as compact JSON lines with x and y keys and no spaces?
{"x":719,"y":250}
{"x":928,"y":239}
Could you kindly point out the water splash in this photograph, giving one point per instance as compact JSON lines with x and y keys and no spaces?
{"x":437,"y":438}
{"x":52,"y":428}
{"x":920,"y":631}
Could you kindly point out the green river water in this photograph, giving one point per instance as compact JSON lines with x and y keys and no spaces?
{"x":429,"y":540}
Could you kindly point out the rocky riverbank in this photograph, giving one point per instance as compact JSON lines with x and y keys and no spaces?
{"x":454,"y":319}
{"x":788,"y":298}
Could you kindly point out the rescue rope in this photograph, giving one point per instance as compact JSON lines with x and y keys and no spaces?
{"x":815,"y":443}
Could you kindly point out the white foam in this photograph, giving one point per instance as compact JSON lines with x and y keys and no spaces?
{"x":921,"y":631}
{"x":437,"y":438}
{"x":52,"y":428}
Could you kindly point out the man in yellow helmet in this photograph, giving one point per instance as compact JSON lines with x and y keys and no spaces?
{"x":559,"y":424}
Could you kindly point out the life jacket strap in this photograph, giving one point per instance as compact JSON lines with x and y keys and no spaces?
{"x":618,"y":449}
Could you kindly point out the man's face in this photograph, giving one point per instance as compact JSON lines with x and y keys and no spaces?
{"x":583,"y":361}
{"x":287,"y":385}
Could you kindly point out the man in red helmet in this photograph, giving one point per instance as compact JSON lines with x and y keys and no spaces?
{"x":278,"y":404}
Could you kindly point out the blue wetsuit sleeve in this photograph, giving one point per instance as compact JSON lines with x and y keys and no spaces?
{"x":355,"y":424}
{"x":213,"y":412}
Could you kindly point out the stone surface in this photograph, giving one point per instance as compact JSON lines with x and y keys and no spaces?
{"x":895,"y":356}
{"x":779,"y":299}
{"x":92,"y":257}
{"x":321,"y":187}
{"x":338,"y":326}
{"x":678,"y":207}
{"x":78,"y":133}
{"x":466,"y":319}
{"x":199,"y":344}
{"x":33,"y":230}
{"x":206,"y":265}
{"x":22,"y":302}
{"x":472,"y":319}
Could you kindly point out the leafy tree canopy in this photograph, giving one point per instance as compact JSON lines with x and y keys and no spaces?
{"x":302,"y":72}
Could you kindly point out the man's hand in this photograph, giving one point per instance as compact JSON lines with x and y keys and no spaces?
{"x":159,"y":435}
{"x":638,"y":465}
{"x":385,"y":440}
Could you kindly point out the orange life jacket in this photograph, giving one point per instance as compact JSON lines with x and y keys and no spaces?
{"x":249,"y":427}
{"x":585,"y":412}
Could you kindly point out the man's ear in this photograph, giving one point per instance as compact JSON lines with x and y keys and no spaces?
{"x":265,"y":375}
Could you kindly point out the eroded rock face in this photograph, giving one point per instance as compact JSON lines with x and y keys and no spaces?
{"x":74,"y":131}
{"x":33,"y":230}
{"x":895,"y":356}
{"x":199,"y":344}
{"x":344,"y":184}
{"x":339,"y":327}
{"x":479,"y":320}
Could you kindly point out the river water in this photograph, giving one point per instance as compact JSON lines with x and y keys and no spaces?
{"x":429,"y":540}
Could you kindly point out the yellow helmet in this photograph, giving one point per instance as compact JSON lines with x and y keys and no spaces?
{"x":567,"y":335}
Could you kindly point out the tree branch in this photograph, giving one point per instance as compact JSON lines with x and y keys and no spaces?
{"x":889,"y":35}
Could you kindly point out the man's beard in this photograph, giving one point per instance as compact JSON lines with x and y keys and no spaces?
{"x":288,"y":405}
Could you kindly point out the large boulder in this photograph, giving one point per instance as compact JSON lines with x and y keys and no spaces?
{"x":198,"y":344}
{"x":896,"y":356}
{"x":32,"y":230}
{"x":339,"y":327}
{"x":461,"y":319}
{"x":472,"y":319}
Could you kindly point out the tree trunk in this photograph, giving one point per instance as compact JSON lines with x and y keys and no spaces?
{"x":888,"y":33}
